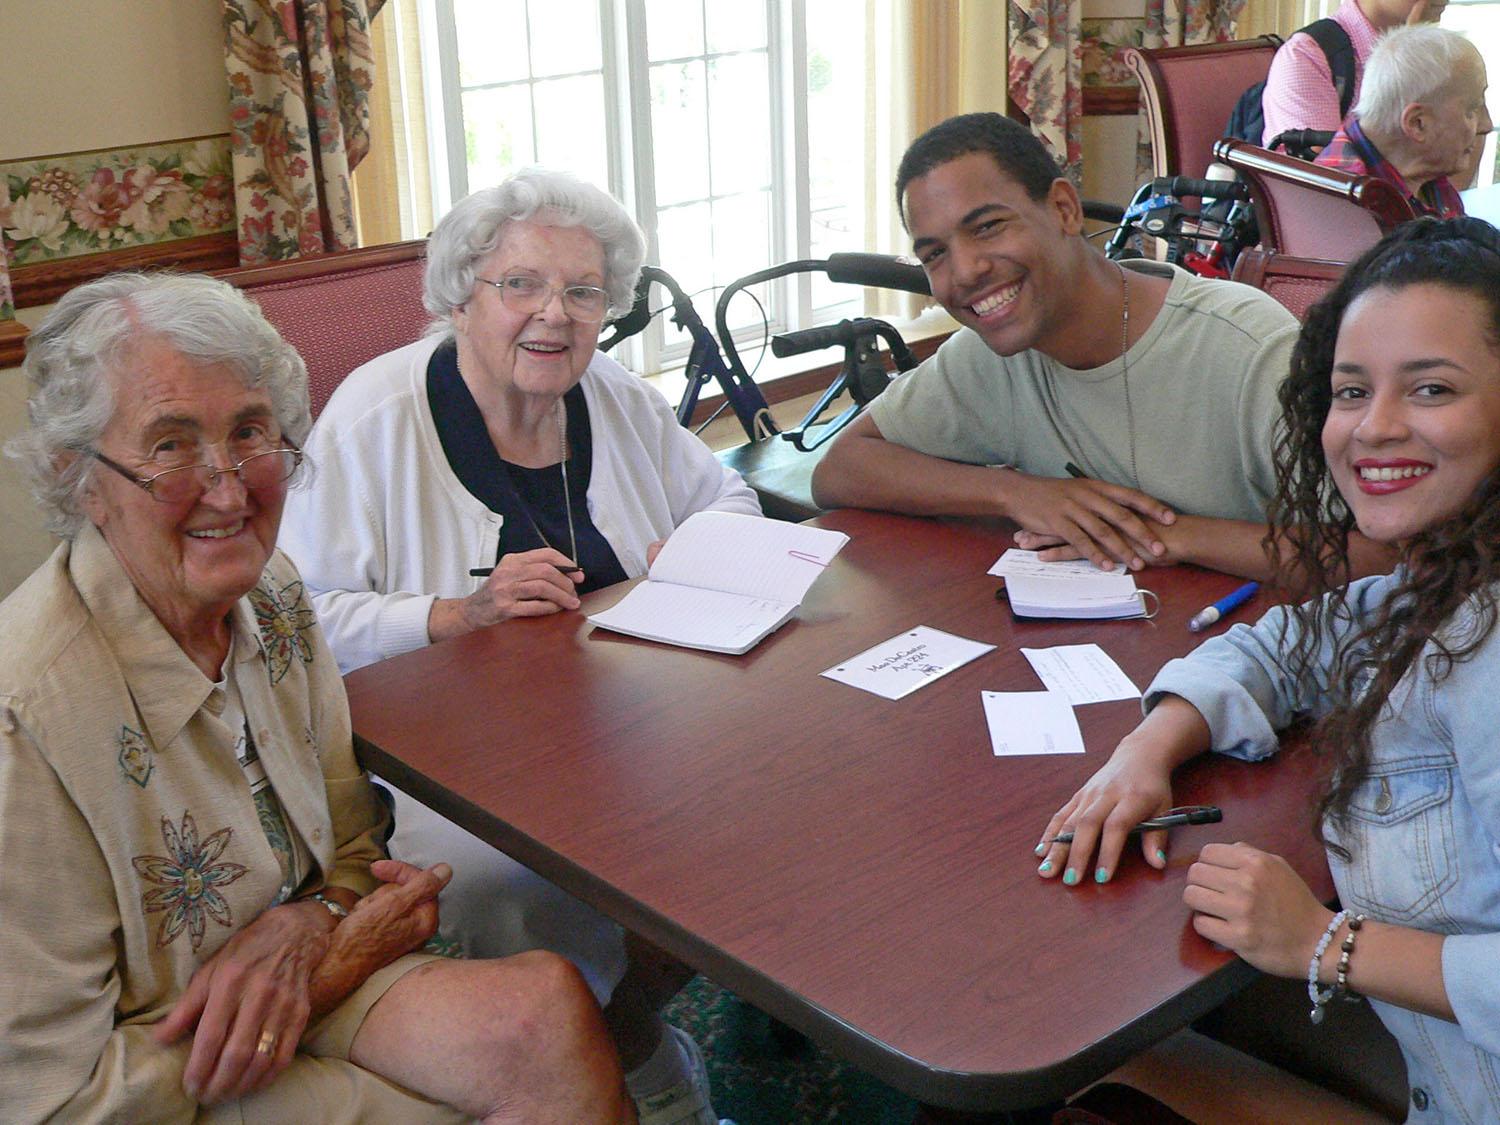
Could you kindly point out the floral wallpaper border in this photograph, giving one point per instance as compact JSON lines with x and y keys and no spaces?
{"x":1103,"y":42}
{"x":108,"y":199}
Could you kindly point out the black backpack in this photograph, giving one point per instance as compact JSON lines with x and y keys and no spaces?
{"x":1248,"y":121}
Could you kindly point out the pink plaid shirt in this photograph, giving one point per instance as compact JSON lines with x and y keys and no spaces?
{"x":1299,"y":90}
{"x":1353,"y":152}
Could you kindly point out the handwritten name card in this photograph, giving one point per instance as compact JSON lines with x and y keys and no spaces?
{"x":899,"y":666}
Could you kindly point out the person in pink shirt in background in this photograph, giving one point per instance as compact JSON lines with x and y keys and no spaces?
{"x":1299,"y":91}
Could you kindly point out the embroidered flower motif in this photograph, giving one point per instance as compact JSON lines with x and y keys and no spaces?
{"x":188,"y":878}
{"x":135,"y":758}
{"x":284,"y":619}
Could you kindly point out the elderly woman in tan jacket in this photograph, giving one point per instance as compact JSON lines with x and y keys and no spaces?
{"x":198,"y":921}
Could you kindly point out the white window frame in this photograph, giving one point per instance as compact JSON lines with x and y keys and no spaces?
{"x":626,"y":72}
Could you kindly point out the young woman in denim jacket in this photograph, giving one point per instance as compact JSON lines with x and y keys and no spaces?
{"x":1393,"y":427}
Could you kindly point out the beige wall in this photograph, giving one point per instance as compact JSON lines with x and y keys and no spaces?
{"x":87,"y":74}
{"x":91,"y":74}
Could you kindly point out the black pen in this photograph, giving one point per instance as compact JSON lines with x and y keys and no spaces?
{"x":1205,"y":814}
{"x":486,"y":571}
{"x":1074,"y":471}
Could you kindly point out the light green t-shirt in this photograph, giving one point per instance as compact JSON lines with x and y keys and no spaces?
{"x":1202,"y":407}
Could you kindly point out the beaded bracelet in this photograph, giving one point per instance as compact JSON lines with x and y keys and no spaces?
{"x":1318,"y":996}
{"x":1341,"y":980}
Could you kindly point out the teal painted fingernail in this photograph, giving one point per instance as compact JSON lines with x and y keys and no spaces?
{"x":1101,"y":875}
{"x":1041,"y":849}
{"x":1161,"y":855}
{"x":1070,"y":878}
{"x":1045,"y":868}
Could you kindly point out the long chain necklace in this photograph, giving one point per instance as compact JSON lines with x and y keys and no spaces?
{"x":562,"y":447}
{"x":562,"y":440}
{"x":1067,"y":430}
{"x":1125,"y":371}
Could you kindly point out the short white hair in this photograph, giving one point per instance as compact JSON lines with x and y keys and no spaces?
{"x":475,"y":225}
{"x":1407,"y":65}
{"x":93,"y":332}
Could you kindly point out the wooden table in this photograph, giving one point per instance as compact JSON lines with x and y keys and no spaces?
{"x":860,"y":869}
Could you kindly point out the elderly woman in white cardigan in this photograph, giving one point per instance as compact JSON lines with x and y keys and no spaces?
{"x":504,"y":439}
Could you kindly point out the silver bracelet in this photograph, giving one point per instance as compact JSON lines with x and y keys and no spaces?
{"x":333,"y":906}
{"x":1319,"y":996}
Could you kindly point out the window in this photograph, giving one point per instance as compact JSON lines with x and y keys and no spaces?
{"x":734,"y":132}
{"x":1479,"y":21}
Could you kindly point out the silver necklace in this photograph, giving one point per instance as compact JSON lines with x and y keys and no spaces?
{"x":562,"y":442}
{"x":562,"y":448}
{"x":1067,"y":430}
{"x":1125,"y":371}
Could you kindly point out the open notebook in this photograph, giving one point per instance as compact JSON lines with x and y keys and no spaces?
{"x":723,"y":582}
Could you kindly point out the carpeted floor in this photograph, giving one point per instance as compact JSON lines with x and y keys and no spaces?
{"x":756,"y":1080}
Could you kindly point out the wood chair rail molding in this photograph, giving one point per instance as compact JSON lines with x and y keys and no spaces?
{"x":12,"y":343}
{"x":45,"y":282}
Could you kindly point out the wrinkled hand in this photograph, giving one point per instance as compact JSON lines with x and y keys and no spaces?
{"x":1253,"y":902}
{"x":1128,"y":789}
{"x":524,"y":584}
{"x":1104,"y":523}
{"x":394,"y":919}
{"x":257,"y":983}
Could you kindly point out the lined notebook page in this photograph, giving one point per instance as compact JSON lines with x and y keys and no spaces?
{"x":760,"y":558}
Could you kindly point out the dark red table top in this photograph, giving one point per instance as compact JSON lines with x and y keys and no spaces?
{"x":862,"y":869}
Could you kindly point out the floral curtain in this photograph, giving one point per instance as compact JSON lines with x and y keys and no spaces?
{"x":1046,"y":60}
{"x":300,"y":73}
{"x":1182,"y":23}
{"x":1046,"y":75}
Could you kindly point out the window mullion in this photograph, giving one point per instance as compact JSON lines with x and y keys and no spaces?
{"x":640,"y":163}
{"x":791,"y":153}
{"x":445,"y":116}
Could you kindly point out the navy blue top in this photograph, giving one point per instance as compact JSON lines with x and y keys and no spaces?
{"x":520,"y":495}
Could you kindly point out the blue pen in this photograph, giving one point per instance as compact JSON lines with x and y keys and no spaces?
{"x":1227,"y":604}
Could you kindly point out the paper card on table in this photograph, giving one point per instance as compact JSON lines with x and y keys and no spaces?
{"x":1081,"y":673}
{"x":1029,"y":564}
{"x":1031,"y":722}
{"x":904,"y":663}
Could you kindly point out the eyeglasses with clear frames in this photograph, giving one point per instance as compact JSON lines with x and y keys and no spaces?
{"x":187,"y":482}
{"x":523,"y":294}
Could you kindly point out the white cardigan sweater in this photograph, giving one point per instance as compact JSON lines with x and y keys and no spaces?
{"x":381,"y":527}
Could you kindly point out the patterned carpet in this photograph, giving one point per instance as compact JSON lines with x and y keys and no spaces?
{"x":758,"y":1080}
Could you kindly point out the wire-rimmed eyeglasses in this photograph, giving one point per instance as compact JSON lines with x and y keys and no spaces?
{"x":524,"y":294}
{"x":187,"y":482}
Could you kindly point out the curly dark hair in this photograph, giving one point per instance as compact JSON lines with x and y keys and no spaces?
{"x":1010,"y":144}
{"x":1446,"y":566}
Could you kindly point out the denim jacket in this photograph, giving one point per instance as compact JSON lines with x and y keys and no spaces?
{"x":1424,"y":827}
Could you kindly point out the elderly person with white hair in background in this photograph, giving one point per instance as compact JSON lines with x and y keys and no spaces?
{"x":199,"y":921}
{"x":505,"y":439}
{"x":1420,"y":121}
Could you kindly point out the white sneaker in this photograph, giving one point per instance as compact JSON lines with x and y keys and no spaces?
{"x":685,"y":1102}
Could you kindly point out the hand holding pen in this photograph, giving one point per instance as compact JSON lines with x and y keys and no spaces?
{"x":1172,"y":818}
{"x":525,"y":584}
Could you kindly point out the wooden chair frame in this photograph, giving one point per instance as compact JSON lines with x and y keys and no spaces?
{"x":1170,"y":107}
{"x":1341,"y":236}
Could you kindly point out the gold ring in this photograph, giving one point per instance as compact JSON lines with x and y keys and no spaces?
{"x":267,"y":1043}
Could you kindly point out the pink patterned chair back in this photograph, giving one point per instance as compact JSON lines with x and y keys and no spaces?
{"x":1298,"y":283}
{"x":1188,"y":93}
{"x":1310,"y":211}
{"x":341,"y":310}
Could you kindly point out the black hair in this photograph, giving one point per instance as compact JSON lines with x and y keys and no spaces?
{"x":1445,"y":568}
{"x":1014,"y":149}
